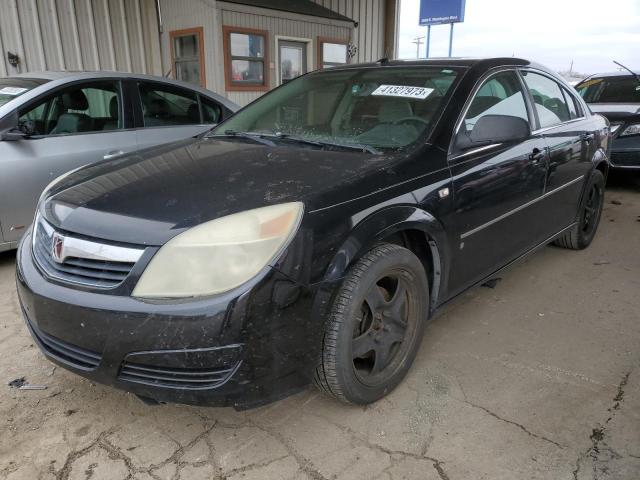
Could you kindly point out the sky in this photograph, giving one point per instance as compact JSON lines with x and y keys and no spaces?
{"x":591,"y":33}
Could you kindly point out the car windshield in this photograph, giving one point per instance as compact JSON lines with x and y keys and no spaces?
{"x":372,"y":108}
{"x":11,"y":88}
{"x":610,"y":90}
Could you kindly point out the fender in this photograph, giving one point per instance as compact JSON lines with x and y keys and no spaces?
{"x":600,"y":157}
{"x":386,"y":222}
{"x":599,"y":161}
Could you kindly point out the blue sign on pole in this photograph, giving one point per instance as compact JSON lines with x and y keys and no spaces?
{"x":437,"y":12}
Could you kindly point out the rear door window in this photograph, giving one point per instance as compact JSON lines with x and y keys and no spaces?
{"x":548,"y":99}
{"x":165,"y":105}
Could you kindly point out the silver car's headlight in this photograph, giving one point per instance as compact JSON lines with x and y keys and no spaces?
{"x":631,"y":130}
{"x":219,"y":255}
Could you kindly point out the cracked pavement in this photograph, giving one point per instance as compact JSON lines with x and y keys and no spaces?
{"x":537,"y":378}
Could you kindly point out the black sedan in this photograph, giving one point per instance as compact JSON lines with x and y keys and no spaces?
{"x":617,"y":97}
{"x":310,"y":237}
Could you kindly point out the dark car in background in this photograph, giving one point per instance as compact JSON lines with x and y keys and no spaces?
{"x":310,"y":237}
{"x":617,"y":97}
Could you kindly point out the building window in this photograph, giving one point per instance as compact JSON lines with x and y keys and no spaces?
{"x":187,"y":55}
{"x":246,"y":59}
{"x":332,"y":52}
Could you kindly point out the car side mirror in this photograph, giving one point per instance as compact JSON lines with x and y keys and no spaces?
{"x":495,"y":129}
{"x":12,"y":130}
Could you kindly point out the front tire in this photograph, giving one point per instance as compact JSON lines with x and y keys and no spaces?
{"x":375,"y":326}
{"x":581,"y":235}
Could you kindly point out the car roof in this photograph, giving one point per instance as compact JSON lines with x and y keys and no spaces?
{"x":445,"y":62}
{"x":63,"y":76}
{"x":619,"y":73}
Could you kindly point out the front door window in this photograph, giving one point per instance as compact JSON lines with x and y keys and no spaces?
{"x":293,"y":60}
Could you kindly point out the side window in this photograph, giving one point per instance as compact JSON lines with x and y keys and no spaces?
{"x":548,"y":99}
{"x":574,"y":106}
{"x":211,"y":111}
{"x":499,"y":95}
{"x":82,"y":108}
{"x":164,"y":105}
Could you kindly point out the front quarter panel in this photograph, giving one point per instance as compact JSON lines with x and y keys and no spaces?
{"x":384,"y":224}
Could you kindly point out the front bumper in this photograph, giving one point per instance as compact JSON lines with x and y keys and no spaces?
{"x":242,"y":349}
{"x":625,"y":153}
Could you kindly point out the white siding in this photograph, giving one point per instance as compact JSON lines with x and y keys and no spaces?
{"x":80,"y":35}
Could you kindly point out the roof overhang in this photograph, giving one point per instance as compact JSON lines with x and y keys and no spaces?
{"x":301,"y":7}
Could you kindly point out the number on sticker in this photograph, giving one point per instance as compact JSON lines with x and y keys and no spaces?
{"x":404,"y":91}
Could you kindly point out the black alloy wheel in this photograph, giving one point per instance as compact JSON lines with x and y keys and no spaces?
{"x":588,"y":218}
{"x":375,"y":327}
{"x":591,"y":210}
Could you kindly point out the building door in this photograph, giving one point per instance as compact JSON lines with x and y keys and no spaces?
{"x":293,"y":59}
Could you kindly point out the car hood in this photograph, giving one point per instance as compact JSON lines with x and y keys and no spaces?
{"x":151,"y":196}
{"x":616,"y":111}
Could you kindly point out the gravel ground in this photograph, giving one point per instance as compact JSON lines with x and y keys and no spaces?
{"x":536,"y":378}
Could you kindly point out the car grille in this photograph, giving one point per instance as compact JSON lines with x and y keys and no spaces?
{"x":76,"y":269}
{"x":182,"y":378}
{"x":64,"y":352}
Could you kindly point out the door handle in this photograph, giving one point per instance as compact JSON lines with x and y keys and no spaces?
{"x":113,"y":153}
{"x":587,"y":137}
{"x":536,"y":155}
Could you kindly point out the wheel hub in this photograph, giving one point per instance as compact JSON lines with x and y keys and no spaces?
{"x":383,"y":327}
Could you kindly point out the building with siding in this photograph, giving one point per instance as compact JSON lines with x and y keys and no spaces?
{"x":239,"y":48}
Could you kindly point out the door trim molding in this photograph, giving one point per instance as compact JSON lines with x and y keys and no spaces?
{"x":286,"y":38}
{"x":521,"y":207}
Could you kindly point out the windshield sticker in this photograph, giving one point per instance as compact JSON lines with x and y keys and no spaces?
{"x":402,"y":91}
{"x":588,"y":83}
{"x":12,"y":90}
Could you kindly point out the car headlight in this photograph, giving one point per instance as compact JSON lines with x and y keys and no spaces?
{"x":219,"y":255}
{"x":631,"y":130}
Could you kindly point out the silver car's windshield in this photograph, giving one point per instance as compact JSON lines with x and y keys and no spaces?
{"x":373,"y":108}
{"x":12,"y":88}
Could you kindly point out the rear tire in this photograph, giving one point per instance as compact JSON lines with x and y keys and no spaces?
{"x":581,"y":235}
{"x":375,"y":326}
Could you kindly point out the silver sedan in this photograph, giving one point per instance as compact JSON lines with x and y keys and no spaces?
{"x":54,"y":122}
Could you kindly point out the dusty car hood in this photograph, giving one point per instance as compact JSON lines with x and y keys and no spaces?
{"x":616,"y":111}
{"x":151,"y":196}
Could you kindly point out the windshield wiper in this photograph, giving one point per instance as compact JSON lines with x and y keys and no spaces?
{"x":635,"y":75}
{"x":321,"y":143}
{"x":255,"y":136}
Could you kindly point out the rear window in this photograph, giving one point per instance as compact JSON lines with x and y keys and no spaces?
{"x":610,"y":90}
{"x":11,"y":88}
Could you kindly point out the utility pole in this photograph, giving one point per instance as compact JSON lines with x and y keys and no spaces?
{"x":418,"y":42}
